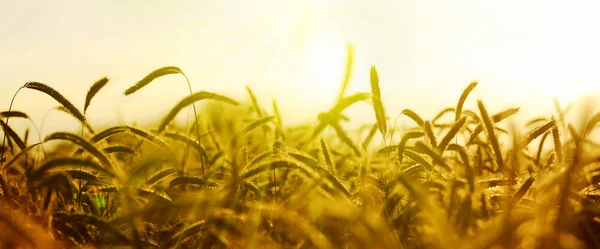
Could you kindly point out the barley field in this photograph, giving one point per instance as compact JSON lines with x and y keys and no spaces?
{"x":236,"y":176}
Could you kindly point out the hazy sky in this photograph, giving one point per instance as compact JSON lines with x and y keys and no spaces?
{"x":522,"y":52}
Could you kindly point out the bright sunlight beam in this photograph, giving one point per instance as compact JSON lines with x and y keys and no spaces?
{"x":326,"y":57}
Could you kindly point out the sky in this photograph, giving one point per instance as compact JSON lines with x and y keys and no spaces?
{"x":426,"y":52}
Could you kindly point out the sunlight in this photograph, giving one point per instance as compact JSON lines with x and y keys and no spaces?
{"x":326,"y":57}
{"x":310,"y":42}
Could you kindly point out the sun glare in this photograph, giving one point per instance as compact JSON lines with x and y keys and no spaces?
{"x":326,"y":57}
{"x":309,"y":42}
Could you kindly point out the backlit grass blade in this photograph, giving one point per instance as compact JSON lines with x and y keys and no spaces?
{"x":255,"y":105}
{"x":60,"y":99}
{"x":537,"y":132}
{"x":369,"y":136}
{"x":345,"y":138}
{"x":12,"y":135}
{"x":346,"y":102}
{"x":428,"y":129}
{"x":557,"y":143}
{"x":13,"y":114}
{"x":152,"y":76}
{"x":377,"y":104}
{"x":347,"y":72}
{"x":441,"y":114}
{"x":328,"y":158}
{"x":452,"y":133}
{"x":279,"y":122}
{"x":463,"y":98}
{"x":495,"y":118}
{"x":190,"y":100}
{"x":433,"y":153}
{"x":464,"y":155}
{"x":94,"y":89}
{"x":81,"y":142}
{"x":414,"y":116}
{"x":489,"y":127}
{"x":405,"y":138}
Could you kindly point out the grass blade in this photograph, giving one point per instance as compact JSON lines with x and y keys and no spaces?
{"x":440,"y":114}
{"x":369,"y":136}
{"x":348,"y":72}
{"x":463,"y":98}
{"x":13,"y":135}
{"x":190,"y":100}
{"x":251,"y":127}
{"x":433,"y":153}
{"x":522,"y":191}
{"x":160,"y":175}
{"x":81,"y":142}
{"x":452,"y":133}
{"x":13,"y":114}
{"x":377,"y":104}
{"x":405,"y":138}
{"x":537,"y":132}
{"x":152,"y":76}
{"x":414,"y":116}
{"x":345,"y":138}
{"x":94,"y":89}
{"x":489,"y":127}
{"x":255,"y":105}
{"x":60,"y":99}
{"x":428,"y":129}
{"x":328,"y":157}
{"x":464,"y":155}
{"x":348,"y":101}
{"x":557,"y":143}
{"x":67,"y":163}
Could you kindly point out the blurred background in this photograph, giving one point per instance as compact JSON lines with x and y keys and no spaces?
{"x":523,"y":53}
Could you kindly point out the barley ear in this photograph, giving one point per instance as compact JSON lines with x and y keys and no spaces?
{"x":489,"y":127}
{"x":328,"y":158}
{"x":428,"y":129}
{"x":557,"y":142}
{"x":537,"y":132}
{"x":377,"y":104}
{"x":463,"y":98}
{"x":279,"y":122}
{"x":94,"y":89}
{"x":60,"y":99}
{"x":348,"y":72}
{"x":255,"y":105}
{"x":152,"y":76}
{"x":414,"y":116}
{"x":13,"y":114}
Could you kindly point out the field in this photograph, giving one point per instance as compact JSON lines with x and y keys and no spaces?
{"x":237,"y":176}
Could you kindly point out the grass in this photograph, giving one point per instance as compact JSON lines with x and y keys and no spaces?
{"x":239,"y":178}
